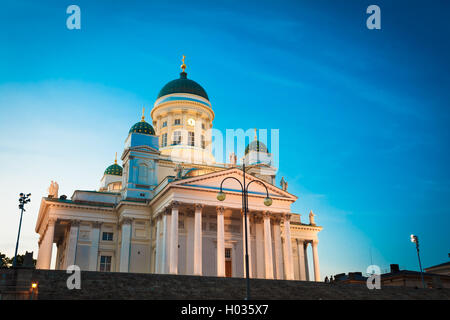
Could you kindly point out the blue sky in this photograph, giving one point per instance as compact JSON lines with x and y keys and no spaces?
{"x":363,"y":114}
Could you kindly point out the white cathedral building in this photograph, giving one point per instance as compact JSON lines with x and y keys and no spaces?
{"x":159,"y":212}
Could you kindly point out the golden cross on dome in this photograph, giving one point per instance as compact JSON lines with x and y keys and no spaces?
{"x":115,"y":161}
{"x":143,"y":114}
{"x":255,"y":135}
{"x":183,"y":66}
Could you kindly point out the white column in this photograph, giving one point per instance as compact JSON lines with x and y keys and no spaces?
{"x":316,"y":261}
{"x":301,"y":259}
{"x":71,"y":247}
{"x":45,"y":250}
{"x":249,"y":242}
{"x":288,"y":263}
{"x":189,"y":226}
{"x":198,"y":240}
{"x":268,"y":246}
{"x":125,"y":246}
{"x":220,"y":243}
{"x":278,"y":249}
{"x":158,"y":245}
{"x":173,"y":251}
{"x":165,"y":241}
{"x":305,"y":250}
{"x":260,"y":270}
{"x":93,"y":253}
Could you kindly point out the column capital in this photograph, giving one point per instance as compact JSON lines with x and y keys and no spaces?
{"x":97,"y":224}
{"x":315,"y":242}
{"x":267,"y":214}
{"x":299,"y":241}
{"x":199,"y":206}
{"x":174,"y":205}
{"x":287,"y":216}
{"x":52,"y":220}
{"x":220,"y":210}
{"x":243,"y":213}
{"x":276,"y":219}
{"x":258,"y":218}
{"x":75,"y":223}
{"x":126,"y":220}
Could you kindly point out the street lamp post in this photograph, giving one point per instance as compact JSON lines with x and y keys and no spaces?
{"x":415,"y":239}
{"x":267,"y":201}
{"x":24,"y":199}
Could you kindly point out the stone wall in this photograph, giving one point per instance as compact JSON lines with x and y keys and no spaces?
{"x":111,"y":285}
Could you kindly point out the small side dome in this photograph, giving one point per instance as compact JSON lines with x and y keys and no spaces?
{"x":114,"y":170}
{"x":142,"y":126}
{"x":257,"y":146}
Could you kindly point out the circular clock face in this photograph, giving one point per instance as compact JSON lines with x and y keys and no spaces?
{"x":191,"y":122}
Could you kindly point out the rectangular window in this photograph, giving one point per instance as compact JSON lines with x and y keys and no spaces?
{"x":191,"y":140}
{"x":107,"y":236}
{"x":176,"y":137}
{"x":105,"y":263}
{"x":203,"y":142}
{"x":164,"y":140}
{"x":177,"y":122}
{"x":164,"y":124}
{"x":228,"y":253}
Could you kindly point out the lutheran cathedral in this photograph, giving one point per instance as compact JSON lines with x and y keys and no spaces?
{"x":163,"y":210}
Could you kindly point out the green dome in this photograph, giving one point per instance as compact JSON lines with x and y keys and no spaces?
{"x":114,"y":169}
{"x":255,"y":145}
{"x":183,"y":85}
{"x":142,"y":127}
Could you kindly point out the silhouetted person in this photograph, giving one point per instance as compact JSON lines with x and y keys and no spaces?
{"x":326,"y":280}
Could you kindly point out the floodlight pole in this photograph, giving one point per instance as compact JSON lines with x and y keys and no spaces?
{"x":22,"y":201}
{"x":415,"y":239}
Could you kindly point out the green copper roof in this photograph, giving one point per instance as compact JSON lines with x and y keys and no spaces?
{"x":142,"y":127}
{"x":114,"y":169}
{"x":255,"y":145}
{"x":183,"y":85}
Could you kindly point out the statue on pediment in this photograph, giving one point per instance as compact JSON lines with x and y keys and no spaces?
{"x":178,"y":171}
{"x":283,"y":184}
{"x":53,"y":189}
{"x":311,"y":218}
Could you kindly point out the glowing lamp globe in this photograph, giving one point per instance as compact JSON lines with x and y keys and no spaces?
{"x":268,"y":201}
{"x":221,"y":196}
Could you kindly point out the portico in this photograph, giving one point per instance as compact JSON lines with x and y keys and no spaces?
{"x":209,"y":234}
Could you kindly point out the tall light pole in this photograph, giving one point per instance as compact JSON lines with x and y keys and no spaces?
{"x":24,"y":199}
{"x":267,"y":201}
{"x":415,"y":239}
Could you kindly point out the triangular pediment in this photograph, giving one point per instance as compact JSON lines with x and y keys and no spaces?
{"x":145,"y":149}
{"x":212,"y":181}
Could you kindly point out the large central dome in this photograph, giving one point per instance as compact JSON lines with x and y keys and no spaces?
{"x":183,"y":85}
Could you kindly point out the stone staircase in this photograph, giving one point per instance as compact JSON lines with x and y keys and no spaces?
{"x":113,"y":285}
